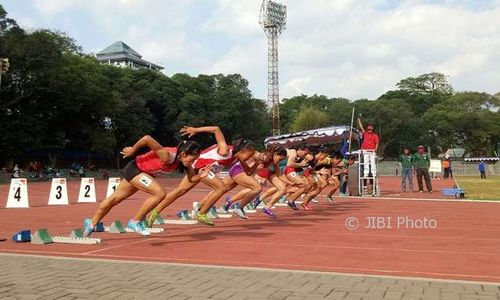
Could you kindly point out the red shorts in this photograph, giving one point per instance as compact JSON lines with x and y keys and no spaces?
{"x":307,"y":172}
{"x":289,"y":170}
{"x":264,"y":173}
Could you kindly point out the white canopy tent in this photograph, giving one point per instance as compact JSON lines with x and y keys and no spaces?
{"x":319,"y":136}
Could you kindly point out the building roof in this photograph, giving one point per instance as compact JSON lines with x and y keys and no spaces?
{"x":119,"y":47}
{"x":119,"y":51}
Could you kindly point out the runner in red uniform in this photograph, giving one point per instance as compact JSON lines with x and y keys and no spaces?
{"x":138,"y":176}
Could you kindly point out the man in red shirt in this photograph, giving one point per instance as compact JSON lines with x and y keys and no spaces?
{"x":369,"y":146}
{"x":370,"y":138}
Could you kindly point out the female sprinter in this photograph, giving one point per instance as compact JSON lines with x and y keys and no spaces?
{"x":241,"y":173}
{"x":296,"y":161}
{"x":138,"y":176}
{"x":323,"y":171}
{"x":213,"y":159}
{"x":268,"y":170}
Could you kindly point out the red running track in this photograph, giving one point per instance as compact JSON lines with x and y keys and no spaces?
{"x":463,"y":245}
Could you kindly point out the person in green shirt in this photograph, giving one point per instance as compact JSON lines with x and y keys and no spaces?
{"x":422,"y":162}
{"x":406,"y":161}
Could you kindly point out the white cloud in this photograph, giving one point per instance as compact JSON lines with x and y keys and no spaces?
{"x":341,"y":48}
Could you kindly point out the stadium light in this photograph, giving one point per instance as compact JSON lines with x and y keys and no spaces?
{"x":273,"y":21}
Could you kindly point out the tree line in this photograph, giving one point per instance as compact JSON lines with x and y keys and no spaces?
{"x":55,"y":99}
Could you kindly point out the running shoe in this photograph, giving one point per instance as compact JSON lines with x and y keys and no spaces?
{"x":195,"y":210}
{"x":269,"y":212}
{"x":138,"y":226}
{"x":292,"y":205}
{"x":282,"y":199}
{"x":88,"y":228}
{"x":305,"y":207}
{"x":257,"y":202}
{"x":238,"y":211}
{"x":329,"y":199}
{"x":227,"y":205}
{"x":152,"y":218}
{"x":314,"y":200}
{"x":204,"y":219}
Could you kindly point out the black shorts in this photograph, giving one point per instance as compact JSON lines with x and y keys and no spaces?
{"x":131,"y":170}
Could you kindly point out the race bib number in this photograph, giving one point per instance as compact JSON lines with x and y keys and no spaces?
{"x":216,"y":168}
{"x":145,"y":181}
{"x":293,"y":174}
{"x":211,"y":175}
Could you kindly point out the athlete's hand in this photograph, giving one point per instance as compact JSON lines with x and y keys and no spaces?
{"x":127,"y":152}
{"x":203,"y":172}
{"x":188,"y":130}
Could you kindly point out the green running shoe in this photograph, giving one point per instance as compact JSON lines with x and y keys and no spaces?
{"x":204,"y":219}
{"x":151,"y":218}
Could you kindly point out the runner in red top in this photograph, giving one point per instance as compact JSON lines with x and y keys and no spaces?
{"x":211,"y":160}
{"x":138,"y":175}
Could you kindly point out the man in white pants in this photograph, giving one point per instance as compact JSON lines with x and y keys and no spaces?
{"x":369,"y":148}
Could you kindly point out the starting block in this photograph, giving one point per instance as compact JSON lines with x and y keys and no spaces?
{"x":185,"y":218}
{"x":99,"y":227}
{"x":212,"y":213}
{"x":250,"y":208}
{"x":159,"y":220}
{"x":180,"y":222}
{"x":184,"y":214}
{"x":42,"y":237}
{"x":22,"y":236}
{"x":115,"y":227}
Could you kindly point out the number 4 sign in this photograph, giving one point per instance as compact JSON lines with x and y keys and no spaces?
{"x":18,"y":193}
{"x":87,"y":190}
{"x":58,"y":192}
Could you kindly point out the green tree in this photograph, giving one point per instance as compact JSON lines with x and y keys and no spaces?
{"x":310,"y":118}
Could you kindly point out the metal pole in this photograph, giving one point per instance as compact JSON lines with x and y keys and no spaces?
{"x":350,"y":131}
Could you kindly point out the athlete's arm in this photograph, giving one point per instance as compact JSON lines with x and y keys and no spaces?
{"x":193,"y":177}
{"x":249,"y":170}
{"x":222,"y":147}
{"x":291,"y":160}
{"x":151,"y":143}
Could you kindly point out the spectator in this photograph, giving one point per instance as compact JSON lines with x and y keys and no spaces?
{"x":445,"y":164}
{"x":74,"y":169}
{"x":406,"y":161}
{"x":482,"y":169}
{"x":16,"y":172}
{"x":81,"y":172}
{"x":422,"y":162}
{"x":37,"y":168}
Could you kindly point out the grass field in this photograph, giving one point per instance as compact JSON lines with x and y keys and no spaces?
{"x":480,"y":189}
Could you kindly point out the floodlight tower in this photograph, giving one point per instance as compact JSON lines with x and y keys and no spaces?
{"x":273,"y":21}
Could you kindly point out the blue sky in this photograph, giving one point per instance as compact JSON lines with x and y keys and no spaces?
{"x":342,"y":48}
